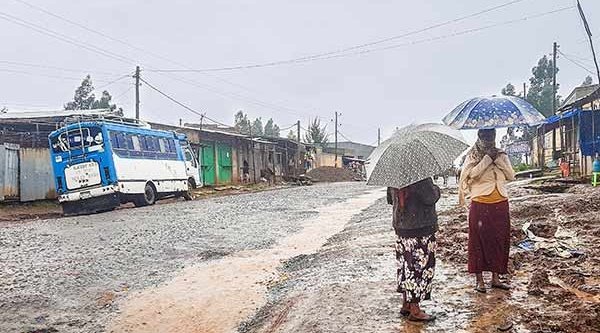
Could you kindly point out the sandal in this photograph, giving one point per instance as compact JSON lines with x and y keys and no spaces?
{"x":501,"y":286}
{"x":429,"y":318}
{"x":481,"y":289}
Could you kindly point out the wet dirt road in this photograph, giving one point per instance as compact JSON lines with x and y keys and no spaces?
{"x":349,"y":284}
{"x":77,"y":274}
{"x":266,"y":262}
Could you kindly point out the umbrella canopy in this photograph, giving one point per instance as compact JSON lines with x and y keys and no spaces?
{"x":493,"y":112}
{"x":414,"y":153}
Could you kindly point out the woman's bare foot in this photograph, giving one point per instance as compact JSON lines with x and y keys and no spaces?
{"x":416,"y":314}
{"x":480,"y":284}
{"x":405,"y":310}
{"x":496,"y":283}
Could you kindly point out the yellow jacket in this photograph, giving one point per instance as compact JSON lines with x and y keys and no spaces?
{"x":481,"y":179}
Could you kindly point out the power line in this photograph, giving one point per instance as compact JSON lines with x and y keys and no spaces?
{"x":345,"y":137}
{"x":113,"y":81}
{"x":124,"y":93}
{"x":246,"y":99}
{"x":455,"y":34}
{"x":351,"y":48}
{"x":52,"y":76}
{"x":16,"y":63}
{"x":130,"y":45}
{"x":62,"y":37}
{"x":181,"y":104}
{"x":577,"y":63}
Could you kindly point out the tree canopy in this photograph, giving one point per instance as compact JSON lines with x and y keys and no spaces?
{"x":292,"y":135}
{"x":85,"y":99}
{"x":243,"y":125}
{"x":316,"y":133}
{"x":540,"y":92}
{"x":509,"y":90}
{"x":588,"y":81}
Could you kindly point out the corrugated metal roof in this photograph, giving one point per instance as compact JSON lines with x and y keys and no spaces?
{"x":51,"y":113}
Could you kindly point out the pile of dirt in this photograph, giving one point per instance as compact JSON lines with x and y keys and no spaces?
{"x":331,"y":175}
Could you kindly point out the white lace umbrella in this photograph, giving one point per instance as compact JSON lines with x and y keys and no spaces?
{"x":414,"y":153}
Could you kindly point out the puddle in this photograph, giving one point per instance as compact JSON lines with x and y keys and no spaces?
{"x":217,"y":295}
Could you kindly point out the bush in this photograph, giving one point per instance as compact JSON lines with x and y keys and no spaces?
{"x":522,"y":167}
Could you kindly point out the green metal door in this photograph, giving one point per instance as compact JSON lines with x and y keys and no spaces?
{"x":208,"y":164}
{"x":225,"y":165}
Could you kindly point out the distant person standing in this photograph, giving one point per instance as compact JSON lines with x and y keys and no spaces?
{"x":485,"y":173}
{"x":415,"y":223}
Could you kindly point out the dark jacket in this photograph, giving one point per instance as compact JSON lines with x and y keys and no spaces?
{"x":419,"y":217}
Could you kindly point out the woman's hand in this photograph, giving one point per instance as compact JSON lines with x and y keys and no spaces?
{"x":492,"y":152}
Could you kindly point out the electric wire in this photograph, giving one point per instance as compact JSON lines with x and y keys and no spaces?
{"x":577,"y":63}
{"x":325,"y":55}
{"x":172,"y":99}
{"x":62,"y":37}
{"x":134,"y":47}
{"x":23,"y":64}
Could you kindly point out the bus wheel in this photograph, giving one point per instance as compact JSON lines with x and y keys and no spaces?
{"x":187,"y":195}
{"x":148,"y":198}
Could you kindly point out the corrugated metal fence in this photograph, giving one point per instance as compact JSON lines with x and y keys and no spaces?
{"x":9,"y":171}
{"x":25,"y":174}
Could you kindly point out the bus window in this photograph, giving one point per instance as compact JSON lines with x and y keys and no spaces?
{"x":162,"y":145}
{"x":77,"y":138}
{"x":135,"y":143}
{"x":121,"y":141}
{"x":172,"y":147}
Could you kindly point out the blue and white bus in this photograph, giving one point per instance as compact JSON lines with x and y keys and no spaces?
{"x":99,"y":164}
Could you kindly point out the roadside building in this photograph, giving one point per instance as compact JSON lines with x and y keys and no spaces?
{"x":229,"y":157}
{"x":572,"y":135}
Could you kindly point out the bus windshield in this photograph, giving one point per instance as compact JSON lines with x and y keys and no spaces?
{"x":77,"y":138}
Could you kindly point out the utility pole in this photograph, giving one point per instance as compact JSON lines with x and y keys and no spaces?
{"x":554,"y":49}
{"x":524,"y":91}
{"x":137,"y":92}
{"x":297,"y":148}
{"x":336,"y":139}
{"x":252,"y":154}
{"x":378,"y":136}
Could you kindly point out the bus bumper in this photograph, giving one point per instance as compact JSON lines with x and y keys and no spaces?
{"x":89,"y":193}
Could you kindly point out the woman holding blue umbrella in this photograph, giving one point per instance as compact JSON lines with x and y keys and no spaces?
{"x":484,"y":176}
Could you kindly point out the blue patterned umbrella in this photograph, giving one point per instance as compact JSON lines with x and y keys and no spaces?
{"x":493,"y":112}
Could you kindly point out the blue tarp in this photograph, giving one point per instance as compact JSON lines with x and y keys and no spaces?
{"x":563,"y":116}
{"x":589,"y":141}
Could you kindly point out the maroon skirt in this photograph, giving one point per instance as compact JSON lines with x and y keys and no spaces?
{"x":489,"y":237}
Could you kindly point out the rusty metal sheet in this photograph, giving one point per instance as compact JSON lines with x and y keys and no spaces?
{"x":36,"y":176}
{"x":9,"y":171}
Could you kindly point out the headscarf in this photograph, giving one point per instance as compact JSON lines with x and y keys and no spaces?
{"x":486,"y":144}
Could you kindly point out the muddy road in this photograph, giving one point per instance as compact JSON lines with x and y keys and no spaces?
{"x":77,"y":274}
{"x":310,"y":259}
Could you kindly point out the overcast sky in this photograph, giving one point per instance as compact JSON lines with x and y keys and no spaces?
{"x":416,"y":82}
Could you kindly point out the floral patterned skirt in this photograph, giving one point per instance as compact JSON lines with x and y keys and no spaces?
{"x":416,"y":266}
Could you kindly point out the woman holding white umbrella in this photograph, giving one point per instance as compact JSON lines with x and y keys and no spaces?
{"x":405,"y":164}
